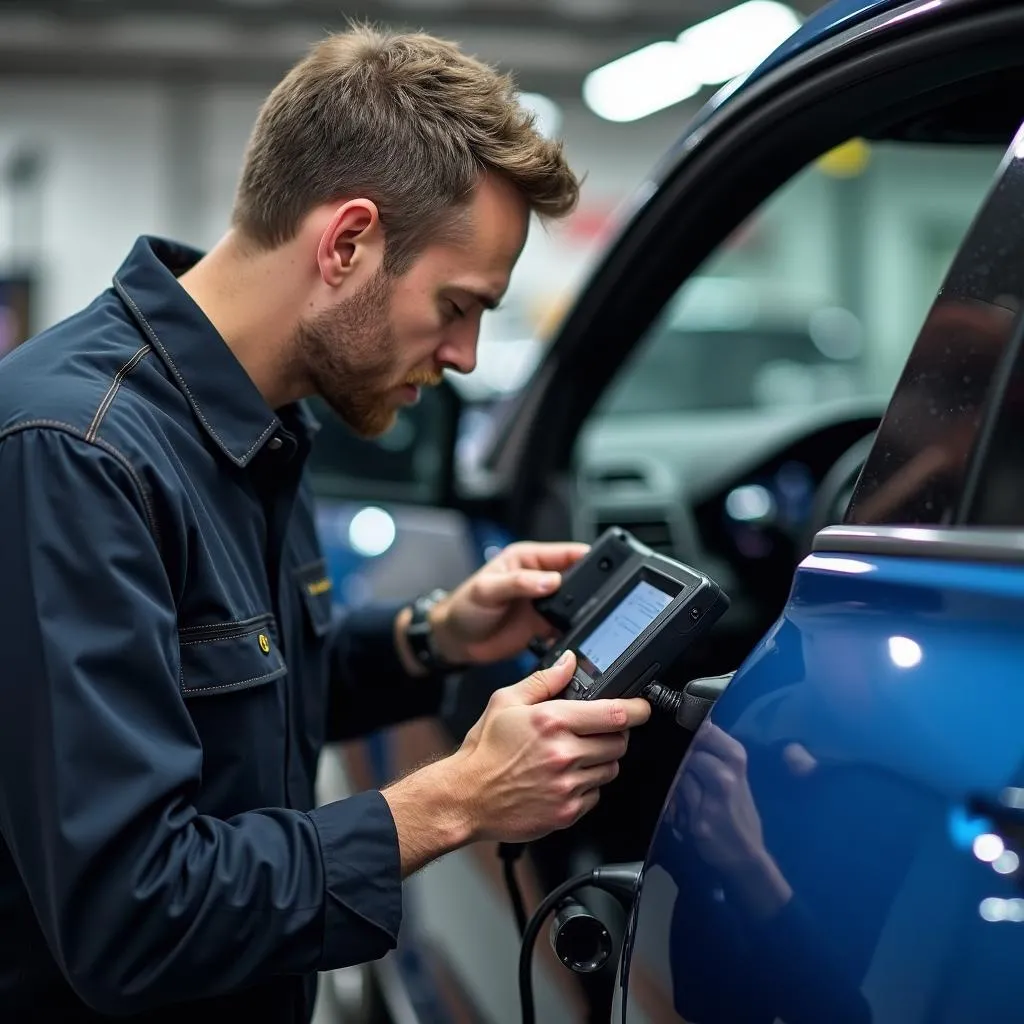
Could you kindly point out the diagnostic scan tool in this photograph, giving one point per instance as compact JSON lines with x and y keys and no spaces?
{"x":627,"y":613}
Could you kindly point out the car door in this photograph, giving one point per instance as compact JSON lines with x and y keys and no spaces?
{"x":844,"y":834}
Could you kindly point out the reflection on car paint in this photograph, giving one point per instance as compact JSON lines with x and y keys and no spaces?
{"x":816,"y":843}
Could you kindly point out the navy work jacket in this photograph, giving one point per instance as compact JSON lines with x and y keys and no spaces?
{"x":170,"y":665}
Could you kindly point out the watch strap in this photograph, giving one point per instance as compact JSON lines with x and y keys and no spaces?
{"x":420,"y":635}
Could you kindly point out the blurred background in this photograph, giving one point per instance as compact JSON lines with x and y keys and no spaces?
{"x":122,"y":117}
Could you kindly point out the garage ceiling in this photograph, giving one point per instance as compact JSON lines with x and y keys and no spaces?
{"x":550,"y":44}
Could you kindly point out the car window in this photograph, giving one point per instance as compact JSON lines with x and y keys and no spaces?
{"x":820,"y":294}
{"x":947,"y":451}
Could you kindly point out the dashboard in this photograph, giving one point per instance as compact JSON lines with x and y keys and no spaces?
{"x":738,"y":493}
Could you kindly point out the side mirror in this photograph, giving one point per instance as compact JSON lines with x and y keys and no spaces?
{"x":413,"y":463}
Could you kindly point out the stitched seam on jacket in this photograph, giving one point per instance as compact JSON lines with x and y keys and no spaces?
{"x":122,"y":291}
{"x":105,"y":446}
{"x":265,"y":619}
{"x":108,"y":398}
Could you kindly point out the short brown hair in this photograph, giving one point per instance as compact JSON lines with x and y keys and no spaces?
{"x":406,"y":120}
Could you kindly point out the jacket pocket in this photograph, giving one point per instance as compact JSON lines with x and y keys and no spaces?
{"x":228,"y":657}
{"x":233,"y":682}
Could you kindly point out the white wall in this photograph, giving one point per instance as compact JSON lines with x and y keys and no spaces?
{"x":150,"y":159}
{"x":103,"y":181}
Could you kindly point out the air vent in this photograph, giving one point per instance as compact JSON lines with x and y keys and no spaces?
{"x":654,"y":532}
{"x":622,"y":475}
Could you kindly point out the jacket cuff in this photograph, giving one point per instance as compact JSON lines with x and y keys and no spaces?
{"x":363,"y":879}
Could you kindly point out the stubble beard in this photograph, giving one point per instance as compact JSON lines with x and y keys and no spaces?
{"x":350,"y":354}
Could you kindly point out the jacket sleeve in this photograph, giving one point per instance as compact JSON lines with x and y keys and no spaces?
{"x":369,"y":687}
{"x":142,"y":900}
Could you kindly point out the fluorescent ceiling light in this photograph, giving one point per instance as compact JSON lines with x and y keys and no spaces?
{"x":736,"y":41}
{"x":640,"y":83}
{"x":709,"y":53}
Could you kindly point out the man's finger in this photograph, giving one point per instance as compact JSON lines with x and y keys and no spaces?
{"x":553,"y":557}
{"x":591,"y":717}
{"x":492,"y":590}
{"x":545,"y":683}
{"x":602,"y":749}
{"x":600,"y":775}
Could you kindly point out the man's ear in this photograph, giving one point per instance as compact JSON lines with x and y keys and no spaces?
{"x":352,"y":241}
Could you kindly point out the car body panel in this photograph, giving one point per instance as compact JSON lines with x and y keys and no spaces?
{"x":823,"y":25}
{"x":900,"y":680}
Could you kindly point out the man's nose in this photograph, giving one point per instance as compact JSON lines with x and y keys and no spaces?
{"x":458,"y":352}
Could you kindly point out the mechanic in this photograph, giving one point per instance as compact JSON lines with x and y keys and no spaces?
{"x":173,"y":662}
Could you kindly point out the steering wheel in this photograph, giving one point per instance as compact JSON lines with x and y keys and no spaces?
{"x":836,"y":488}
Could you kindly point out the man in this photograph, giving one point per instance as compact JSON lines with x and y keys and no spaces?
{"x":172,"y":660}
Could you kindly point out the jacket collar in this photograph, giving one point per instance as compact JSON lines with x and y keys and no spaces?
{"x":223,"y":397}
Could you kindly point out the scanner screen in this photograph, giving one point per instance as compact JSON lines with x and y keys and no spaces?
{"x":621,"y":626}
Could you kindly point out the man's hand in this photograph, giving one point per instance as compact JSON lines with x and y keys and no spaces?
{"x":490,"y":616}
{"x":529,"y":766}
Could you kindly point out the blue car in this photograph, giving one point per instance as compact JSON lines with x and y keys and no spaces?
{"x":798,"y":366}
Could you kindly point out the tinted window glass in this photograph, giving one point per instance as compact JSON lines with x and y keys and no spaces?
{"x":917,"y":472}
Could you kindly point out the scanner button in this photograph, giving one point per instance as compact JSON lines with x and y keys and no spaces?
{"x":578,"y":685}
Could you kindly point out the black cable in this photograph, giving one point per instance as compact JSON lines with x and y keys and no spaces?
{"x":618,"y":879}
{"x":531,"y":932}
{"x":509,"y":854}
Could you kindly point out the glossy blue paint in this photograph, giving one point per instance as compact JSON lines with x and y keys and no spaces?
{"x":815,"y":858}
{"x":824,"y":24}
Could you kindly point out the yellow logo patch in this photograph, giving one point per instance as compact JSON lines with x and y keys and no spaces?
{"x":318,"y":587}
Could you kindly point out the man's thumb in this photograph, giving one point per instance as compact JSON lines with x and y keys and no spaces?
{"x":548,"y":682}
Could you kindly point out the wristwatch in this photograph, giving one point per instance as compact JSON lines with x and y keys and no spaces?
{"x":420,"y":634}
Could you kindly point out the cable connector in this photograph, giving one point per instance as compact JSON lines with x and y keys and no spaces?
{"x":691,"y":704}
{"x":662,"y":698}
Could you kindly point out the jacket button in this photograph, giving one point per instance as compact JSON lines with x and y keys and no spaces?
{"x":274,"y":444}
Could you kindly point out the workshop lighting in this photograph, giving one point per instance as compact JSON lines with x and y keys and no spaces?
{"x":736,"y":41}
{"x":371,"y":532}
{"x":640,"y":83}
{"x":751,"y":503}
{"x":988,"y":847}
{"x":708,"y":53}
{"x":1006,"y":863}
{"x":904,"y":652}
{"x":995,"y":909}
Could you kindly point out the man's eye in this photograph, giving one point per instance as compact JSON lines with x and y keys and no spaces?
{"x":456,"y":311}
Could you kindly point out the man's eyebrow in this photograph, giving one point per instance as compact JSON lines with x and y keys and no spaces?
{"x":485,"y":299}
